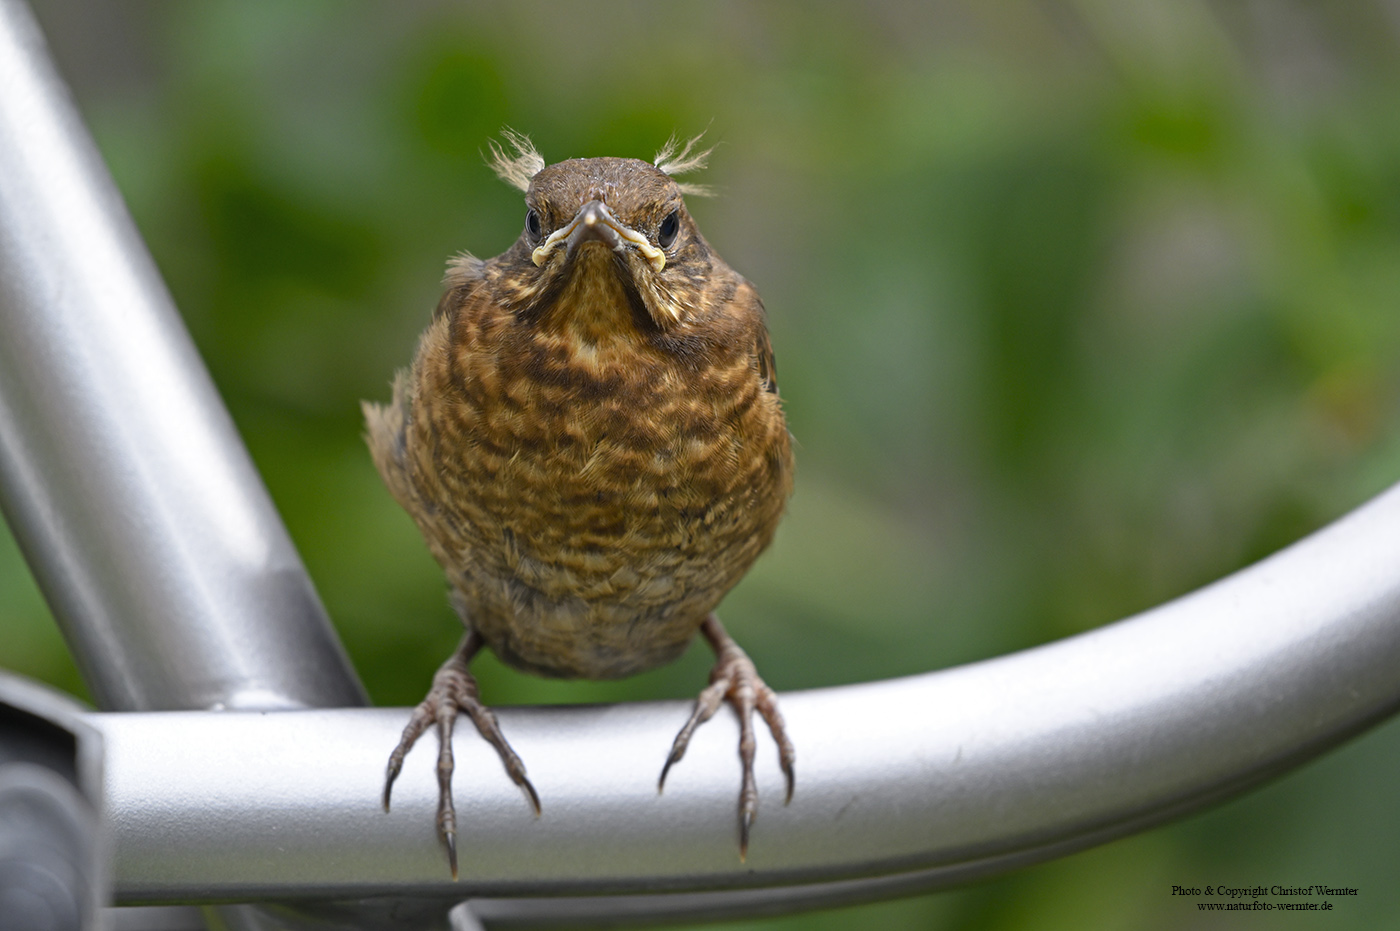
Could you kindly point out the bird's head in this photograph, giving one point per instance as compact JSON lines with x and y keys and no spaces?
{"x":607,"y":233}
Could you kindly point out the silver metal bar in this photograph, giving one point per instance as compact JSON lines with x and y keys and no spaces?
{"x":121,"y":474}
{"x":901,"y":785}
{"x":53,"y":850}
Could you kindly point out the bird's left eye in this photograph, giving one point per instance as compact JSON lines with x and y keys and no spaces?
{"x":670,"y":226}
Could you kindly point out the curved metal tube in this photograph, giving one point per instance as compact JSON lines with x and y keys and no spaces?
{"x":918,"y":782}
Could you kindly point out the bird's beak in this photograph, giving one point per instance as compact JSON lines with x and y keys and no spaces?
{"x":595,"y":222}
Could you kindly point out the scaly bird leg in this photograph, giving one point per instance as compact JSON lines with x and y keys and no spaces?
{"x":454,"y":689}
{"x":735,"y":680}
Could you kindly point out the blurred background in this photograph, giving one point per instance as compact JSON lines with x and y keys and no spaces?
{"x":1077,"y":305}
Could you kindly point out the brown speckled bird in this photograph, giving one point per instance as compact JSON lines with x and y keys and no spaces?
{"x":590,"y":440}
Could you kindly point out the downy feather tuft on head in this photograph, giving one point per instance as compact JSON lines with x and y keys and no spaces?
{"x":517,"y":169}
{"x":676,"y":158}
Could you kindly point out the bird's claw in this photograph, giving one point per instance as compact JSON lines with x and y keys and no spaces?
{"x":454,"y":690}
{"x":735,"y":680}
{"x":450,"y":841}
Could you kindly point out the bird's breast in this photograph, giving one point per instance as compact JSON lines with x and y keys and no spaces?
{"x":594,"y":498}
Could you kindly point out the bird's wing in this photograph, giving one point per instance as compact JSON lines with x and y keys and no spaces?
{"x":386,"y":425}
{"x":385,"y":432}
{"x":767,"y":362}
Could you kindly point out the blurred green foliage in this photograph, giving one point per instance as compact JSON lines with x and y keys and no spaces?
{"x":1078,"y":306}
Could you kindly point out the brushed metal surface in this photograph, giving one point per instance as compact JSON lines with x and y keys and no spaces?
{"x":904,"y":784}
{"x":121,"y":474}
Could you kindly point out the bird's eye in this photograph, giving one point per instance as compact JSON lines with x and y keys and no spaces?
{"x":670,"y":226}
{"x":532,"y":224}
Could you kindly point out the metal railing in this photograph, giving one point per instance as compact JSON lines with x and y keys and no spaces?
{"x":193,"y":621}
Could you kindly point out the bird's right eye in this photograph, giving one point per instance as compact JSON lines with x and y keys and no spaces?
{"x":532,"y":224}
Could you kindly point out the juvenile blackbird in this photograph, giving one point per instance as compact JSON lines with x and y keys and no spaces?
{"x":590,"y":440}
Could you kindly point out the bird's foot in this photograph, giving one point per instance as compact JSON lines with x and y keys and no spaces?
{"x":735,"y":680}
{"x":455,"y":690}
